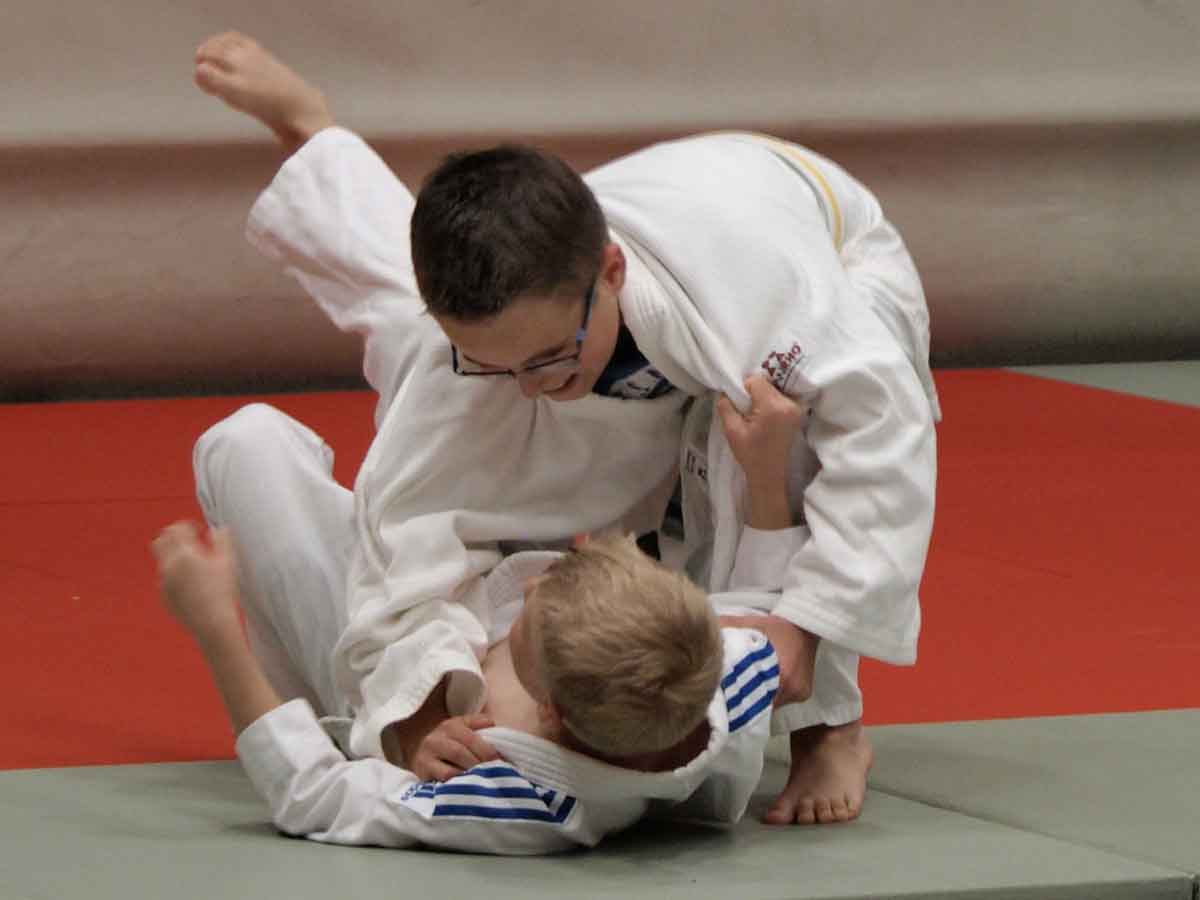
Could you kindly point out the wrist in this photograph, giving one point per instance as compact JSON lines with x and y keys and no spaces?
{"x":766,"y":482}
{"x":768,"y":507}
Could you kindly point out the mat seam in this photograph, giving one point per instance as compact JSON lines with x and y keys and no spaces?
{"x":1194,"y":876}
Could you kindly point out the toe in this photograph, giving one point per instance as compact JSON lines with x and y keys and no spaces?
{"x":853,"y":807}
{"x":840,"y":810}
{"x":805,"y":812}
{"x":824,"y":811}
{"x":782,"y":812}
{"x":778,"y":816}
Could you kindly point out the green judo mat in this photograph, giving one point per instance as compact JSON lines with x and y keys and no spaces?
{"x":196,"y":830}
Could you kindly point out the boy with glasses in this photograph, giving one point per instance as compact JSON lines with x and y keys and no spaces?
{"x":704,"y":260}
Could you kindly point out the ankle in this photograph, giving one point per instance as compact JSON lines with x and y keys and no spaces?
{"x":815,"y":734}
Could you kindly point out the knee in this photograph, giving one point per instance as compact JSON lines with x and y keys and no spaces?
{"x":244,"y":433}
{"x":246,"y":428}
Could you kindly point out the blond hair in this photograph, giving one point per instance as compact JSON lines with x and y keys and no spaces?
{"x":630,"y":651}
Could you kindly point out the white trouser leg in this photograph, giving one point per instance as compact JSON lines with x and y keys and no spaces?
{"x":835,"y":699}
{"x":269,"y":479}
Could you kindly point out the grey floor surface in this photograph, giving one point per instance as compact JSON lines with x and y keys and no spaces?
{"x":1065,"y":807}
{"x":1177,"y":381}
{"x":1128,"y":784}
{"x":196,"y":830}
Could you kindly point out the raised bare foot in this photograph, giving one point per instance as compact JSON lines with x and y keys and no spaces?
{"x":236,"y":69}
{"x":828,"y":780}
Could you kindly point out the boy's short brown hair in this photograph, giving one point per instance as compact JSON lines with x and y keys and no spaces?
{"x":630,"y":651}
{"x":494,"y":225}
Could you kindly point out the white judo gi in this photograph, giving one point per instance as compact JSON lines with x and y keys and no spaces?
{"x":745,"y":254}
{"x":269,"y":478}
{"x":753,"y":254}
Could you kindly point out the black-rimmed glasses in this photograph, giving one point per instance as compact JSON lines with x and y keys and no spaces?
{"x":560,"y":364}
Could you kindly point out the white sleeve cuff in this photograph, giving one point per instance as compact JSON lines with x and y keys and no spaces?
{"x":280,"y":743}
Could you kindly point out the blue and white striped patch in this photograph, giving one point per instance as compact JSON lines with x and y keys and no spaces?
{"x":494,"y":792}
{"x":749,"y":688}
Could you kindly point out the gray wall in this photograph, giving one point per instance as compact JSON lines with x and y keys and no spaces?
{"x":1039,"y":156}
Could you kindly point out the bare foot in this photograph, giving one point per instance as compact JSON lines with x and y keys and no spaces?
{"x":828,"y":780}
{"x":236,"y":69}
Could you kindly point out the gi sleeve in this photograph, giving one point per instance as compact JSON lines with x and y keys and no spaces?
{"x":850,"y":573}
{"x":315,"y":792}
{"x":337,"y":219}
{"x":416,"y":615}
{"x":869,"y":510}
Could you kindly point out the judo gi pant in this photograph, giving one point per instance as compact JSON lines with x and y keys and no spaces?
{"x":269,"y":479}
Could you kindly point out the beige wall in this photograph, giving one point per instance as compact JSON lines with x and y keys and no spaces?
{"x":1040,"y":158}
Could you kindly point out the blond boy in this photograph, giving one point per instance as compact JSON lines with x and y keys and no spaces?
{"x":613,"y":687}
{"x":605,"y":684}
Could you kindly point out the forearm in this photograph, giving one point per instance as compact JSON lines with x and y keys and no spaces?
{"x":767,"y":506}
{"x":239,"y":678}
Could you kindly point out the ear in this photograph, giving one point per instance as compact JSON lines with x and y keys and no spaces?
{"x":550,"y":718}
{"x":612,"y":267}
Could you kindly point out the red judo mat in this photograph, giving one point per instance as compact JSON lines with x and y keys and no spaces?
{"x":1063,"y":575}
